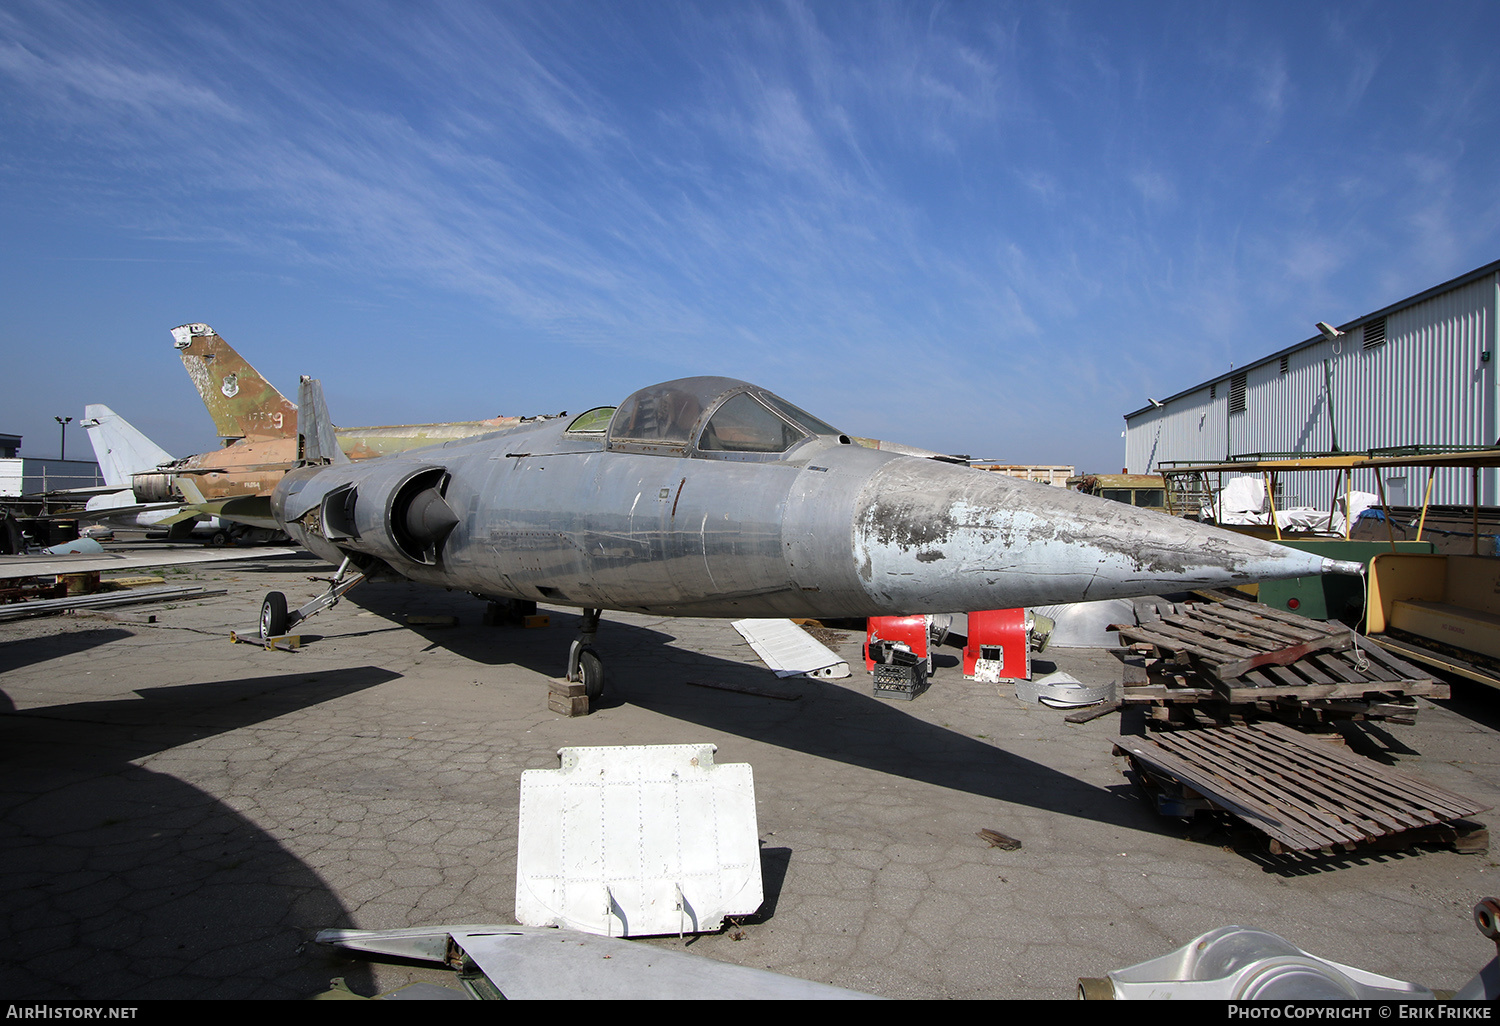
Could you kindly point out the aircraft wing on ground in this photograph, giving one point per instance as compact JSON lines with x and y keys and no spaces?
{"x":12,"y":567}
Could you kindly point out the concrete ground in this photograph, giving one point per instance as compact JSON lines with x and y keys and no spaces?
{"x":181,"y":815}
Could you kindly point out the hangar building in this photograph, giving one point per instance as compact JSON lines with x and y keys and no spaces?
{"x":1420,"y":372}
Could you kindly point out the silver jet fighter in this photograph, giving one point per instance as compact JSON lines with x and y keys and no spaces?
{"x":712,"y":497}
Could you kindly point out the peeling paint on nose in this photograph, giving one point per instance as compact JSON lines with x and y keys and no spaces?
{"x":943,"y":538}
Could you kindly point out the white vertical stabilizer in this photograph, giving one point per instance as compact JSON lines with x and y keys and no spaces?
{"x":119,"y":447}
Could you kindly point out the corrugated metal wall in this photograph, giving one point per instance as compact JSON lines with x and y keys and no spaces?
{"x":1427,"y":384}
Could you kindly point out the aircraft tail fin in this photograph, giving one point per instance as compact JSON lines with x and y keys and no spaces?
{"x":119,"y":446}
{"x":241,"y":402}
{"x":316,"y":442}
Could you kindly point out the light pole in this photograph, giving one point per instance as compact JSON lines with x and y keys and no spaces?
{"x":63,"y":423}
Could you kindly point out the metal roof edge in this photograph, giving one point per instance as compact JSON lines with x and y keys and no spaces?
{"x":1421,"y":297}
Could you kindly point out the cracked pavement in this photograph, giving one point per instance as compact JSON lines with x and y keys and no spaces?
{"x":181,"y":815}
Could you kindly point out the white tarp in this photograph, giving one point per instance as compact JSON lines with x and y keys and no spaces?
{"x":1243,"y":501}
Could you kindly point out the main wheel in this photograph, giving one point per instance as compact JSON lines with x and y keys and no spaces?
{"x":273,"y":618}
{"x":219,"y":539}
{"x":591,"y":668}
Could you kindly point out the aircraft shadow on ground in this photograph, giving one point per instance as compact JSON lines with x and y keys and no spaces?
{"x":645,"y":668}
{"x":117,"y":882}
{"x":27,"y":651}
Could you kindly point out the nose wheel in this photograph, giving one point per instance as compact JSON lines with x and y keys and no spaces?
{"x":276,"y":619}
{"x":273,"y":616}
{"x":584,"y":664}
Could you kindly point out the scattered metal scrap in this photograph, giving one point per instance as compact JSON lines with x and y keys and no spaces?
{"x":531,"y":963}
{"x":1238,"y":963}
{"x":745,"y":689}
{"x":104,"y":600}
{"x":1225,"y":657}
{"x":1064,"y":691}
{"x":1305,"y":794}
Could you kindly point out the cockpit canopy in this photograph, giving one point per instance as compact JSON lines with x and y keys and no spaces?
{"x":711,"y":416}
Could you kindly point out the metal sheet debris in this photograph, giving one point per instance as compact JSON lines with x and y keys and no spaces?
{"x":105,"y":600}
{"x":637,"y":840}
{"x":789,"y":650}
{"x":521,"y":963}
{"x":1063,"y":691}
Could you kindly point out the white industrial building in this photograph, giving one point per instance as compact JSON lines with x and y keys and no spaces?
{"x":1420,"y":372}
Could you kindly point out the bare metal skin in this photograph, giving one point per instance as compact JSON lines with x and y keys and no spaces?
{"x":712,"y":497}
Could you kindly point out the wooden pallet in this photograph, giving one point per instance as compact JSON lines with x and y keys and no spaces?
{"x":1234,"y":637}
{"x":1244,"y":652}
{"x":1304,"y":794}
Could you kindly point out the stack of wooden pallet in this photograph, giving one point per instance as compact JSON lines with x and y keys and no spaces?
{"x":1216,"y":656}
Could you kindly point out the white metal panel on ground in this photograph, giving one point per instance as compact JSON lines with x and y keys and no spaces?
{"x":790,"y":650}
{"x":637,"y":840}
{"x":530,"y":964}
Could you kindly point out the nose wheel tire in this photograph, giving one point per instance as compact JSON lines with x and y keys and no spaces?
{"x":584,"y":664}
{"x":273,"y":618}
{"x":591,"y":670}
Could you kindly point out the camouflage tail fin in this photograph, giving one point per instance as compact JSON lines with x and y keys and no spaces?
{"x":241,"y":402}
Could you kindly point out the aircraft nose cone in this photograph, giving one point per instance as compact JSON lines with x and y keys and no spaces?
{"x":934,"y":537}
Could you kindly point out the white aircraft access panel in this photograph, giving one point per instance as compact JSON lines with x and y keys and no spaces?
{"x":637,"y":840}
{"x":789,"y":650}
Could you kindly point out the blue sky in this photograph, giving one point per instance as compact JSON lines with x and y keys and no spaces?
{"x":981,"y":227}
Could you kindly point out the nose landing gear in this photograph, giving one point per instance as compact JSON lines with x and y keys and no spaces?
{"x":276,"y":620}
{"x":584,"y":664}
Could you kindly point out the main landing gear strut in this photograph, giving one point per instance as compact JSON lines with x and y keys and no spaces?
{"x":584,"y":663}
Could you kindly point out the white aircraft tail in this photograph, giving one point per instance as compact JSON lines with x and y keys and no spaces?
{"x":119,"y":447}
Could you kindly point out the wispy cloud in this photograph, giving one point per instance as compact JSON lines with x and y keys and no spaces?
{"x":1059,"y":200}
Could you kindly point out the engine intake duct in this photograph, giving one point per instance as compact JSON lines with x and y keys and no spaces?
{"x":394,"y":511}
{"x":420,"y":518}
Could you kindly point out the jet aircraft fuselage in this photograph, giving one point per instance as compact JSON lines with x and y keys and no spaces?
{"x":712,"y":497}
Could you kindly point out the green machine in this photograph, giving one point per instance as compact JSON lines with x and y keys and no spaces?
{"x":1331,"y":597}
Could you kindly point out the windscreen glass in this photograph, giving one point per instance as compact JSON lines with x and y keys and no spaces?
{"x":594,"y":421}
{"x":744,"y":425}
{"x":800,"y":416}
